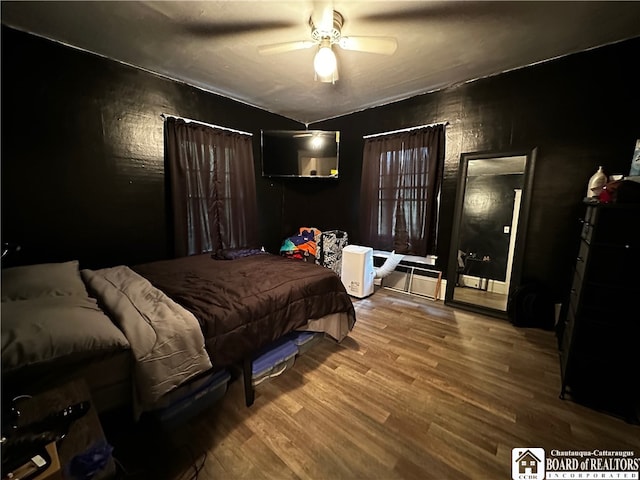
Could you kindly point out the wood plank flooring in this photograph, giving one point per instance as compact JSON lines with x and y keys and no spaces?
{"x":417,"y":391}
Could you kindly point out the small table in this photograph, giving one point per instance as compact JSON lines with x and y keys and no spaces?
{"x":84,"y":433}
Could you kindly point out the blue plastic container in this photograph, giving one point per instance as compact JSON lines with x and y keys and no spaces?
{"x":304,"y":340}
{"x":274,"y":361}
{"x":209,"y":390}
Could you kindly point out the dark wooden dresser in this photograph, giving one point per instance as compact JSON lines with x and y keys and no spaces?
{"x":600,"y":344}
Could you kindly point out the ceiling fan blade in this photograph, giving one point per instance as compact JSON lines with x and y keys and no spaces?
{"x":382,"y":45}
{"x":444,"y":10}
{"x":211,"y":30}
{"x":275,"y":48}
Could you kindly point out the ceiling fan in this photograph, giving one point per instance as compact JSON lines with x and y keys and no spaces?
{"x":326,"y":33}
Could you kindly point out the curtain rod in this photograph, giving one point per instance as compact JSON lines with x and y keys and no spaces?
{"x":404,"y":130}
{"x":189,"y":120}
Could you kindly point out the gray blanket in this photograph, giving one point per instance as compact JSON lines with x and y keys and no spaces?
{"x":166,"y":339}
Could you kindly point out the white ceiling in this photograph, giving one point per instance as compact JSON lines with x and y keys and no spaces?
{"x":214,"y":44}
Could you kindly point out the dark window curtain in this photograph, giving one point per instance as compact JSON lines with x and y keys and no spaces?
{"x":212,"y":188}
{"x":401,"y":180}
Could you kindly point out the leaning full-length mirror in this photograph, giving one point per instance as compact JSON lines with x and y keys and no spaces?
{"x":487,"y":242}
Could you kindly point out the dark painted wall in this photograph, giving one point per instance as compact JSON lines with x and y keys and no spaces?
{"x":83,"y":169}
{"x":83,"y":154}
{"x":581,"y":111}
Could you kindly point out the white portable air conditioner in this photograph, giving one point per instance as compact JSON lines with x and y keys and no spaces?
{"x":357,"y":270}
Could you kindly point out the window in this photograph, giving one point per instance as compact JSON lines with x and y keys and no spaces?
{"x":401,"y":179}
{"x":212,"y":185}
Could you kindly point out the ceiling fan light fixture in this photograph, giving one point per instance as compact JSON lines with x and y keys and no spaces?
{"x":326,"y":32}
{"x":324,"y":63}
{"x":331,"y":78}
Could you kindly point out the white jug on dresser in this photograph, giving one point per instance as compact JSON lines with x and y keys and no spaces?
{"x":596,"y":182}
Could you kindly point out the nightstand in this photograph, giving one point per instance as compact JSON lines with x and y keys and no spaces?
{"x":83,"y":434}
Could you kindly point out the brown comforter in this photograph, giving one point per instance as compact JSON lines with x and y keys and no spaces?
{"x":165,"y":338}
{"x":244,"y":304}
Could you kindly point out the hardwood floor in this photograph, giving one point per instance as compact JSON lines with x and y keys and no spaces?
{"x":418,"y":390}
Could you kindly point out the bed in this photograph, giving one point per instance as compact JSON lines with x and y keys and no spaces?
{"x":137,"y":334}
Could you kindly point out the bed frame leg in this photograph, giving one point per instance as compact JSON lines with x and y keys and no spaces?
{"x":249,"y":394}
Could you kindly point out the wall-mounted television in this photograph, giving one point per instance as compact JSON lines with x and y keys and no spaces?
{"x":300,"y":153}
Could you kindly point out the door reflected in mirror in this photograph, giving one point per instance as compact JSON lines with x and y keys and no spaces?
{"x":491,"y":212}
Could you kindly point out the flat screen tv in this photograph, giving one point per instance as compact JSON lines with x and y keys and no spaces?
{"x":300,"y":153}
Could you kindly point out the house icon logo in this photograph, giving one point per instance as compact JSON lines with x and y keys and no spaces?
{"x":527,"y":463}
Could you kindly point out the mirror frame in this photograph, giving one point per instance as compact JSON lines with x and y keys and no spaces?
{"x":521,"y":234}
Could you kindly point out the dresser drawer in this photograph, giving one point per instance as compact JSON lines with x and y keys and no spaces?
{"x":576,"y":288}
{"x":581,"y":259}
{"x":587,"y":231}
{"x":620,"y":302}
{"x":568,"y":331}
{"x":614,"y":225}
{"x":614,"y":265}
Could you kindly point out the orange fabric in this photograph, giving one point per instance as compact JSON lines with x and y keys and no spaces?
{"x":310,"y":246}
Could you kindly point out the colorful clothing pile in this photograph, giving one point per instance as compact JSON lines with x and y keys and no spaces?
{"x":302,"y":246}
